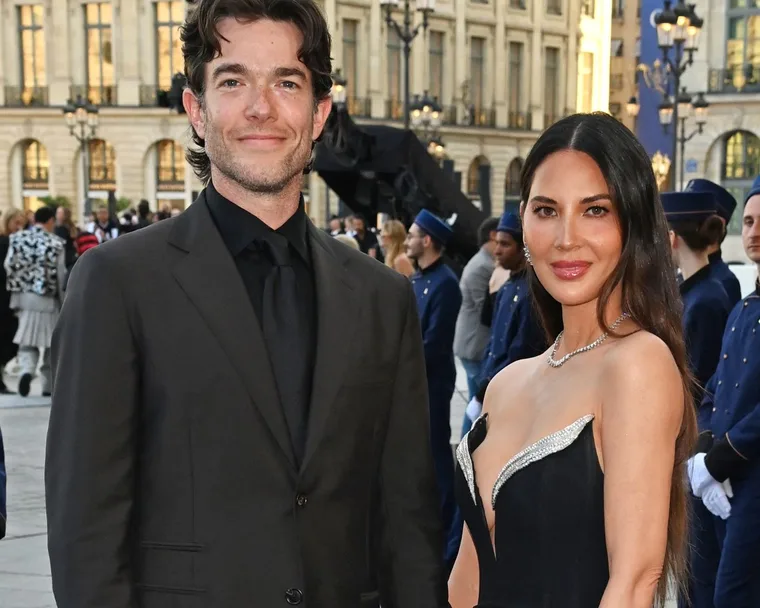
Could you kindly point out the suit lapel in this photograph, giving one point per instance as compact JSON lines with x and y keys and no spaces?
{"x":337,"y":313}
{"x":209,"y":277}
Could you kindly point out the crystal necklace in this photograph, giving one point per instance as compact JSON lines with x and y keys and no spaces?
{"x":554,"y":363}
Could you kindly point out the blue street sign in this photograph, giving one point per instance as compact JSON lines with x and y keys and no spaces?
{"x":691,"y":166}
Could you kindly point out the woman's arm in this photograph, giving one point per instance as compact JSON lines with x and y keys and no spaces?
{"x":464,"y":581}
{"x":642,"y":410}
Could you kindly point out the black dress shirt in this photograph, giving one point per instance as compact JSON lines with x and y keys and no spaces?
{"x":240,"y":230}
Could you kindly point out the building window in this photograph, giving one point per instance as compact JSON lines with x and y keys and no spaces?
{"x":616,"y":48}
{"x":517,"y":4}
{"x":477,"y":83}
{"x":351,"y":55}
{"x":554,"y":7}
{"x":169,"y":59}
{"x":32,"y":36}
{"x":741,"y":164}
{"x":170,"y":168}
{"x":35,"y":166}
{"x":743,"y":44}
{"x":395,"y":74}
{"x":102,"y":165}
{"x":512,"y":184}
{"x":473,"y":176}
{"x":588,"y":7}
{"x":586,"y":81}
{"x":618,"y":9}
{"x":435,"y":83}
{"x":99,"y":41}
{"x":515,"y":78}
{"x":551,"y":86}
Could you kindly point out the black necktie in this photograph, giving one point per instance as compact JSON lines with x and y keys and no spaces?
{"x":284,"y":333}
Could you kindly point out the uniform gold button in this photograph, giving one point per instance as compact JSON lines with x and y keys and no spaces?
{"x":745,"y":359}
{"x":737,"y":385}
{"x":725,"y":356}
{"x":720,"y":382}
{"x":733,"y":329}
{"x":714,"y":409}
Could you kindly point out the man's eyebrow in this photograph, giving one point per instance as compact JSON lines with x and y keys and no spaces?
{"x":285,"y":72}
{"x":229,"y":67}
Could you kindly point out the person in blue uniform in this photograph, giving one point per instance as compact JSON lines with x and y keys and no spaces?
{"x":694,"y":225}
{"x":725,"y":206}
{"x":516,"y":331}
{"x":438,"y":301}
{"x":725,"y":472}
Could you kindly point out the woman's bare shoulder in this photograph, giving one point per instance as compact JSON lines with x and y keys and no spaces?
{"x":641,"y":372}
{"x":511,"y":379}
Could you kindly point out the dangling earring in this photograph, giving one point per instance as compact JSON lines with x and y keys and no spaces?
{"x":527,"y":256}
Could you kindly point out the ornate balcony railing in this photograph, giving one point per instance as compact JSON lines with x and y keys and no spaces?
{"x":26,"y":97}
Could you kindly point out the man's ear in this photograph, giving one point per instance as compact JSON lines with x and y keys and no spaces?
{"x":194,"y":110}
{"x":322,"y":111}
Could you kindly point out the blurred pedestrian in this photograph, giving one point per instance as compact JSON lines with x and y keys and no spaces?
{"x":471,"y":337}
{"x":13,"y":220}
{"x":36,"y":271}
{"x":393,"y":239}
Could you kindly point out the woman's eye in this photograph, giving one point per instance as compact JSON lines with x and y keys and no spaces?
{"x":543,"y":211}
{"x":597,"y":211}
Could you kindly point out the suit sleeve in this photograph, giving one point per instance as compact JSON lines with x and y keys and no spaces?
{"x":90,"y":460}
{"x":704,"y":415}
{"x":439,"y":330}
{"x":412,"y":573}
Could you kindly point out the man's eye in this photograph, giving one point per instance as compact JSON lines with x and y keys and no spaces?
{"x":230,"y":83}
{"x":289,"y":84}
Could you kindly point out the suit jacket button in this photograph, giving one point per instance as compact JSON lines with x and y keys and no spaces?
{"x":294,"y":596}
{"x":301,"y":500}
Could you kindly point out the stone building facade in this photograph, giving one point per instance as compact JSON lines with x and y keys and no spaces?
{"x":502,"y":70}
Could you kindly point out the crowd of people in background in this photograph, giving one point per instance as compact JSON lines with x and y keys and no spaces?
{"x":31,"y":295}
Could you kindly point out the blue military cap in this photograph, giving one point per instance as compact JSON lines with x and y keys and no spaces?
{"x":510,"y":223}
{"x":755,"y":189}
{"x":724,"y":200}
{"x":434,"y":226}
{"x":695,"y":206}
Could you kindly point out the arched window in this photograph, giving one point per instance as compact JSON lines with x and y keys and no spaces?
{"x":35,"y":165}
{"x":741,"y":165}
{"x":170,"y":166}
{"x":512,"y":183}
{"x":102,"y":165}
{"x":473,"y":176}
{"x":35,"y":170}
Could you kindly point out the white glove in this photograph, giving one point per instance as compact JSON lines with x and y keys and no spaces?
{"x":474,"y":407}
{"x":715,"y":497}
{"x":699,"y":476}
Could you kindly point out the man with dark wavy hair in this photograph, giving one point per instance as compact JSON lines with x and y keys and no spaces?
{"x":233,"y":453}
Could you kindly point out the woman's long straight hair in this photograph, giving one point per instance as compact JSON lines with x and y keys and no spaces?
{"x":646,"y":274}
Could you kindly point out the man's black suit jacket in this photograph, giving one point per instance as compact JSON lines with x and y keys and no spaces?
{"x":170,"y":478}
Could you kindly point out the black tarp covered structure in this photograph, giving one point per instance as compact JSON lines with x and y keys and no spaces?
{"x":379,"y":169}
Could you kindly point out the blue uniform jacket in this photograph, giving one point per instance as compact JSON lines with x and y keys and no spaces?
{"x":720,"y":271}
{"x":706,"y":309}
{"x":516,"y":331}
{"x":729,"y":416}
{"x":438,"y":301}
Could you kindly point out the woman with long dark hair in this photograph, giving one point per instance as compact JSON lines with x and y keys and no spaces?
{"x":572,"y":481}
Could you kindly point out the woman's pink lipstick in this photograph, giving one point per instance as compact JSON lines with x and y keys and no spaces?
{"x":569,"y":271}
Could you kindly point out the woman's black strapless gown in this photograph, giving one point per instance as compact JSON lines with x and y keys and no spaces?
{"x":548,"y":500}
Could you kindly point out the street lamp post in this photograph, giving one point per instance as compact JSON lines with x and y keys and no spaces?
{"x":426,"y":116}
{"x":84,"y":115}
{"x":678,"y":29}
{"x":407,"y":34}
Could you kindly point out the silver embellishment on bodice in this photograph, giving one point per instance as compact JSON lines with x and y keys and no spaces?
{"x":465,"y":460}
{"x":551,"y":444}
